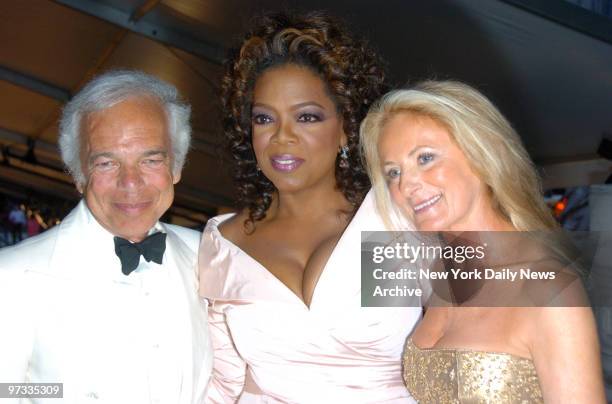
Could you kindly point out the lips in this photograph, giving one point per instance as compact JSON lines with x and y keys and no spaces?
{"x":132,"y":208}
{"x":423,"y":206}
{"x":285,"y":162}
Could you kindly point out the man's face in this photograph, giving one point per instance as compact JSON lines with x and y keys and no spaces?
{"x":127,"y":161}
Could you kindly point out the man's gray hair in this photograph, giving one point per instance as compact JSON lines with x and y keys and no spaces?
{"x":110,"y":89}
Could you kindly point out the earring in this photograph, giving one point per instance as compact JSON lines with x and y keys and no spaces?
{"x":344,"y":157}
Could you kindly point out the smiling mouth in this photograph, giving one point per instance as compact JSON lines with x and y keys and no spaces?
{"x":424,"y":205}
{"x":132,"y":208}
{"x":285,"y":162}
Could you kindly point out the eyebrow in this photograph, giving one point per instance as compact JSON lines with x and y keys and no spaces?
{"x":96,"y":156}
{"x":296,"y":106}
{"x":110,"y":155}
{"x":410,"y":154}
{"x":150,"y":153}
{"x":307,"y":104}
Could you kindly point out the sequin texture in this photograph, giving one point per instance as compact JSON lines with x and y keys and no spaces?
{"x":455,"y":376}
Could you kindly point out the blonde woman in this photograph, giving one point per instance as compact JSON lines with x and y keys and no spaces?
{"x":441,"y":156}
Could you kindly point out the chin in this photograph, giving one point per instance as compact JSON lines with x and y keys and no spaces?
{"x":288,"y":186}
{"x":138,"y":228}
{"x":429,"y":226}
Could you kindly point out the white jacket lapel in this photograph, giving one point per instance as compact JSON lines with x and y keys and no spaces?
{"x":196,"y":351}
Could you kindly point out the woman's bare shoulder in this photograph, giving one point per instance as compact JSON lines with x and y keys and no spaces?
{"x":234,"y":228}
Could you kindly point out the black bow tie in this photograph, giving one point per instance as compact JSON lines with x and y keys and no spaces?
{"x":152,"y":249}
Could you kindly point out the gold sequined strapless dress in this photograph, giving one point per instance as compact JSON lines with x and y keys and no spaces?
{"x":458,"y":376}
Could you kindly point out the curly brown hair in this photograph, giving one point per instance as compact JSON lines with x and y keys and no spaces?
{"x":354,"y":78}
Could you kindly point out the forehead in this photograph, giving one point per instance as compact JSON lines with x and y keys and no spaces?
{"x":412,"y":130}
{"x":140,"y":120}
{"x":290,"y":83}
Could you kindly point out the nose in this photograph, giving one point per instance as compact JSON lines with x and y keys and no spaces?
{"x":130,"y":177}
{"x":409,"y":183}
{"x":285,"y":133}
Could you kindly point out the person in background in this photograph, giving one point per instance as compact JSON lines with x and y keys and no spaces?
{"x":17,"y":220}
{"x":106,"y":301}
{"x":282,"y":276}
{"x":35,"y":223}
{"x":442,"y":156}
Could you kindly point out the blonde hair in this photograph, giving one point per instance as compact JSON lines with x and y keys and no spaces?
{"x":487,"y":139}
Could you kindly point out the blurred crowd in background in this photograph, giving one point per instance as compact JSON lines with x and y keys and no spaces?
{"x":20,"y":219}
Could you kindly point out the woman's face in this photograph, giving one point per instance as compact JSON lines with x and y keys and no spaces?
{"x":429,"y":177}
{"x":296,"y":130}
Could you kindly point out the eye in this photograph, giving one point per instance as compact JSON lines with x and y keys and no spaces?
{"x":261,"y":119}
{"x":153,"y":162}
{"x":425,"y":158}
{"x":309,"y":118}
{"x":392,"y":174}
{"x":104,"y":165}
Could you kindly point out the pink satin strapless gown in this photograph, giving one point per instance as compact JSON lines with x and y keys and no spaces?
{"x":269,"y":347}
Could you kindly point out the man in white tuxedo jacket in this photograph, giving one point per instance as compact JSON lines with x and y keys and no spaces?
{"x":98,"y":303}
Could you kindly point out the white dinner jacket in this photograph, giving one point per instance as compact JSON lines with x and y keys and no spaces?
{"x":68,"y":314}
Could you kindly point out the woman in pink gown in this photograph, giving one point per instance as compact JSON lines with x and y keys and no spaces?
{"x":282,"y":277}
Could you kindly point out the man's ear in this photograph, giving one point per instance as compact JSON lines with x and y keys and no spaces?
{"x":80,"y":186}
{"x":176,"y":178}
